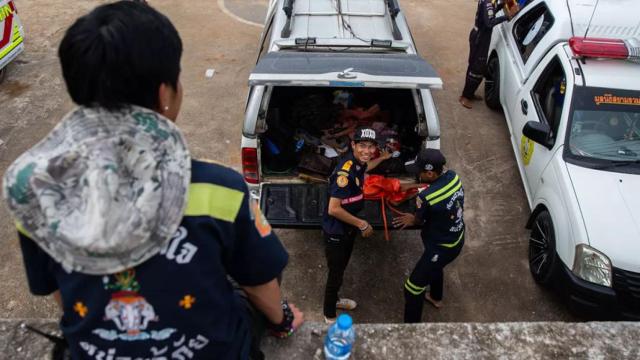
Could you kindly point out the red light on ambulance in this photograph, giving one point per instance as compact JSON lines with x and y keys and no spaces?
{"x":599,"y":48}
{"x":250,"y":165}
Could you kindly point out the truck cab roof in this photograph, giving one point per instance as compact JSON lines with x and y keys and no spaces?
{"x":347,"y":43}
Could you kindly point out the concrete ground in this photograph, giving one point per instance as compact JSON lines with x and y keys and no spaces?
{"x":489,"y":282}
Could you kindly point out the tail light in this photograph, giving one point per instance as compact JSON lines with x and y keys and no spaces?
{"x":599,"y":48}
{"x":250,"y":165}
{"x":13,"y":7}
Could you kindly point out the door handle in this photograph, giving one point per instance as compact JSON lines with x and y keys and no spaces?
{"x":525,"y":106}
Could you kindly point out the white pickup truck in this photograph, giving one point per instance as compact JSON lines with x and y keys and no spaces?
{"x":313,"y":52}
{"x":565,"y":73}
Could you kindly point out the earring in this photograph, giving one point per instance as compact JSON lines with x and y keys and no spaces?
{"x":166,"y":108}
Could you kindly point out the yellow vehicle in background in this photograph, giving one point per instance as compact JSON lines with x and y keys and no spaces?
{"x":11,"y":35}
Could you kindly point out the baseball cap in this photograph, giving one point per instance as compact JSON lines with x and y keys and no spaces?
{"x":365,"y":133}
{"x":426,"y":160}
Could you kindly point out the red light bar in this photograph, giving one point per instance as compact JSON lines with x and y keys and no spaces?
{"x":599,"y":48}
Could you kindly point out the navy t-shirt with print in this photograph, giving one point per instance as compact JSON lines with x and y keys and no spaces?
{"x":179,"y":304}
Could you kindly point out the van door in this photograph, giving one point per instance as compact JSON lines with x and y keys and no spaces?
{"x":11,"y":33}
{"x":531,"y":35}
{"x":543,"y":98}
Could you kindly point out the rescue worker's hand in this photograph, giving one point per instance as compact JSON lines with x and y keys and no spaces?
{"x":404,"y":220}
{"x":407,"y":187}
{"x":511,"y":9}
{"x":298,"y":317}
{"x":366,"y":229}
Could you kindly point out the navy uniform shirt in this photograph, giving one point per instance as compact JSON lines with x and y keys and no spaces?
{"x":440,"y":208}
{"x":345,"y":183}
{"x":179,"y":304}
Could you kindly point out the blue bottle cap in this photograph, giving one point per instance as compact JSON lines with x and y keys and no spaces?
{"x":344,"y":321}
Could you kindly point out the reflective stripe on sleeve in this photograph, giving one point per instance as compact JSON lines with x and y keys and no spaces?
{"x":216,"y":201}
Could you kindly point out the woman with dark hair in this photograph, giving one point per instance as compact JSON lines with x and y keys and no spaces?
{"x":140,"y":244}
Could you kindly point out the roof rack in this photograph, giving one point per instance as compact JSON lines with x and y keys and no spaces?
{"x":394,"y":9}
{"x":287,"y":7}
{"x":392,"y":6}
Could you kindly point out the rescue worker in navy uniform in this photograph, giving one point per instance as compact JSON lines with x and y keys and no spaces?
{"x":137,"y":241}
{"x":439,"y":210}
{"x":340,"y":224}
{"x":479,"y":40}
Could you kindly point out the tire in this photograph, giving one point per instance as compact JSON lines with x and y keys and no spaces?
{"x":542,"y":249}
{"x":492,"y":84}
{"x":3,"y":74}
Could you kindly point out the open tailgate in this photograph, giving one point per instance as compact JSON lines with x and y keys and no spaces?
{"x":302,"y":205}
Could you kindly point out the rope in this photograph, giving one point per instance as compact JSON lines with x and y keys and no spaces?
{"x":384,"y":218}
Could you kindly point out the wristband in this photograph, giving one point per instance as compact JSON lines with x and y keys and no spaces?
{"x":364,"y":228}
{"x":285,"y":328}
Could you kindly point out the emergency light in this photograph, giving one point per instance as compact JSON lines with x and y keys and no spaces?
{"x":604,"y":48}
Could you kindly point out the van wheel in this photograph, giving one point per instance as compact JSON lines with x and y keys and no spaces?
{"x":542,"y":249}
{"x":3,"y":74}
{"x":492,"y":84}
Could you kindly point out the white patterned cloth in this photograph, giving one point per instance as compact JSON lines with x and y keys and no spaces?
{"x":104,"y":191}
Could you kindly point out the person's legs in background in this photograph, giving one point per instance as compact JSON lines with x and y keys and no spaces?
{"x":478,"y":48}
{"x":338,"y":252}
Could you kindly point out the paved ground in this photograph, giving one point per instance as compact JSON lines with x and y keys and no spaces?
{"x":489,"y":281}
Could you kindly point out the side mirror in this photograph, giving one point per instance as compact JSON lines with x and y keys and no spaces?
{"x":538,"y":132}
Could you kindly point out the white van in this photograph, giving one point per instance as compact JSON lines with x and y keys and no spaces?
{"x":320,"y":60}
{"x":565,"y":73}
{"x":11,"y":35}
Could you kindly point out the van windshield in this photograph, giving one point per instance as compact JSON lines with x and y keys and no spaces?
{"x":605,"y":127}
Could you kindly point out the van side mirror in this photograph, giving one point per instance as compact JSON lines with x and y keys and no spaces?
{"x":538,"y":132}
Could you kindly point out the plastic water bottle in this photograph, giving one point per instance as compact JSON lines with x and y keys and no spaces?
{"x":340,"y":338}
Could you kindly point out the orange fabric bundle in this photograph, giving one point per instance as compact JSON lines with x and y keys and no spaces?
{"x":378,"y":186}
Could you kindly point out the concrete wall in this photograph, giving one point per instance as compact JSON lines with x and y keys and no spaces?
{"x":542,"y":340}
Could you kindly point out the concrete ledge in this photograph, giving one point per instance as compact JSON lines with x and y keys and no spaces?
{"x":554,"y":340}
{"x":550,"y":340}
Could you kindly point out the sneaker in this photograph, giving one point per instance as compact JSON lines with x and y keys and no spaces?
{"x":346,"y":304}
{"x":329,"y":320}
